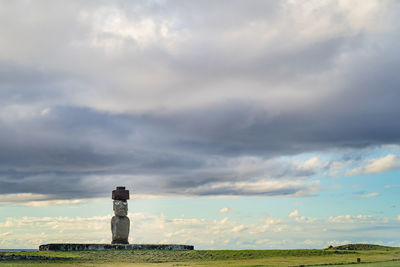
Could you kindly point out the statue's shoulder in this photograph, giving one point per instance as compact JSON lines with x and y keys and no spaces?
{"x":124,"y":218}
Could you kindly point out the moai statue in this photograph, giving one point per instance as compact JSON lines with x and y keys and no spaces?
{"x":120,"y":222}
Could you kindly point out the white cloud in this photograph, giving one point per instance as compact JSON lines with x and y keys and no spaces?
{"x":353,"y":219}
{"x":275,"y":168}
{"x":223,"y":221}
{"x":337,"y":243}
{"x":382,"y":164}
{"x":308,"y":242}
{"x":45,"y":112}
{"x":268,"y":232}
{"x":294,"y":213}
{"x":3,"y":235}
{"x":377,"y":165}
{"x":375,"y":194}
{"x":225,"y":210}
{"x":40,"y":200}
{"x":270,"y":224}
{"x":304,"y":219}
{"x":294,"y":188}
{"x":391,"y":186}
{"x":59,"y":202}
{"x":21,"y":198}
{"x":239,"y":228}
{"x":336,"y":168}
{"x":301,"y":219}
{"x":314,"y":163}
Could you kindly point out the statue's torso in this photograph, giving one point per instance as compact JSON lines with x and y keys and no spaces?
{"x":120,"y":229}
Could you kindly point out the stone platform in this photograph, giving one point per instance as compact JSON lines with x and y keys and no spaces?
{"x":71,"y":247}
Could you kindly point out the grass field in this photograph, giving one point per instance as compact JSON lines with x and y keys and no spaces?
{"x":339,"y":256}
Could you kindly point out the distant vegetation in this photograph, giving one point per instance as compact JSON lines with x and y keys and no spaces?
{"x":341,"y":255}
{"x":361,"y":247}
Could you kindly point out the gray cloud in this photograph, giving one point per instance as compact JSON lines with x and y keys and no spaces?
{"x":174,"y":98}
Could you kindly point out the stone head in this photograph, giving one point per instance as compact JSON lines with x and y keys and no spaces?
{"x":120,"y":207}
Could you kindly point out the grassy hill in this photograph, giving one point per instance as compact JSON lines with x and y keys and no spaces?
{"x":361,"y":247}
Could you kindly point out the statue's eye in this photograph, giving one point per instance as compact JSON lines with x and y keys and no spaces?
{"x":125,"y":203}
{"x":117,"y":203}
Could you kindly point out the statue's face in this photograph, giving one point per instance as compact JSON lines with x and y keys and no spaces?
{"x":120,"y":207}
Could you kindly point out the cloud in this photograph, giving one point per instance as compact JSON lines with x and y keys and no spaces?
{"x":294,"y":213}
{"x":336,"y":168}
{"x":375,"y":194}
{"x":263,"y":232}
{"x":239,"y":228}
{"x":192,"y":176}
{"x":39,"y":200}
{"x":304,"y":219}
{"x":353,"y":219}
{"x":300,"y":219}
{"x":262,"y":187}
{"x":377,"y":165}
{"x":382,"y":164}
{"x":57,"y":202}
{"x":158,"y":98}
{"x":21,"y":198}
{"x":3,"y":235}
{"x":391,"y":186}
{"x":337,"y":243}
{"x":225,"y":210}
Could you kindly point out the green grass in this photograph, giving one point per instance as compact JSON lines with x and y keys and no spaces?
{"x":376,"y":264}
{"x":339,"y":256}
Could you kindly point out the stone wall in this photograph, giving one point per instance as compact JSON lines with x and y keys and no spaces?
{"x":71,"y":247}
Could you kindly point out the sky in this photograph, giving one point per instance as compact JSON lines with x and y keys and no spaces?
{"x":234,"y":124}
